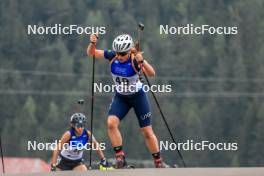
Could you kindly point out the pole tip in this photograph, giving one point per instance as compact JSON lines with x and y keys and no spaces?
{"x":81,"y":101}
{"x":141,"y":26}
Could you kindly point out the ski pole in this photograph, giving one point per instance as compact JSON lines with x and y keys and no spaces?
{"x":141,"y":28}
{"x":2,"y":155}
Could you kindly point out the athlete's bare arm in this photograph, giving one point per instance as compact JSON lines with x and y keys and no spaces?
{"x":96,"y":144}
{"x":64,"y":139}
{"x":147,"y":68}
{"x":91,"y":49}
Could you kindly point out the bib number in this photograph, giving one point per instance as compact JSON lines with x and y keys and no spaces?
{"x":123,"y":81}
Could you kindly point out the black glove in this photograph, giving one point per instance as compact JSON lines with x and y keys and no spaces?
{"x":104,"y":162}
{"x":53,"y":167}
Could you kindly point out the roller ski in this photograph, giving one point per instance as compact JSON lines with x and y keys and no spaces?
{"x":105,"y":165}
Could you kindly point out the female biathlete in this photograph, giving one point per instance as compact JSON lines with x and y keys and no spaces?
{"x":77,"y":138}
{"x":125,"y":69}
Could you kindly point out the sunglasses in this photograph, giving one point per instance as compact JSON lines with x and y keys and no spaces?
{"x":79,"y":125}
{"x":121,"y":53}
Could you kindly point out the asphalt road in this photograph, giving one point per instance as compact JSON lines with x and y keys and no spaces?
{"x":252,"y":171}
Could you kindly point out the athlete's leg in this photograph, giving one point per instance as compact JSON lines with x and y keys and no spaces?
{"x":113,"y":131}
{"x":117,"y":111}
{"x":150,"y":139}
{"x":142,"y":110}
{"x":80,"y":167}
{"x":116,"y":140}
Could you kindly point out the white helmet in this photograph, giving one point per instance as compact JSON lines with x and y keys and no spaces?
{"x":123,"y":43}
